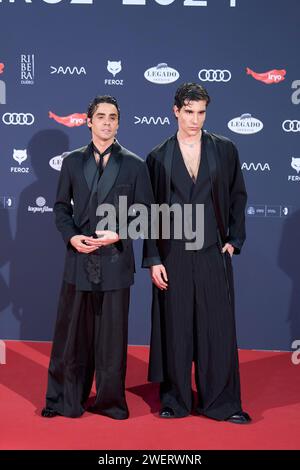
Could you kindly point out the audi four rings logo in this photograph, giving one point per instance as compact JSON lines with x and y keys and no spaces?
{"x":291,"y":126}
{"x":210,"y":75}
{"x":18,"y":119}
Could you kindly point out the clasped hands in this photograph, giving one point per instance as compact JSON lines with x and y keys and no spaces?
{"x":85,"y":244}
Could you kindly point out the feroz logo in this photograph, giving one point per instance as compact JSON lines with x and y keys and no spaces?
{"x":67,"y":70}
{"x":151,"y":120}
{"x":291,"y":125}
{"x":114,"y":67}
{"x":272,"y":76}
{"x":296,"y":94}
{"x":295,"y":164}
{"x":256,"y":166}
{"x":18,"y":119}
{"x":27,"y":69}
{"x":19,"y":156}
{"x":2,"y":86}
{"x":161,"y":74}
{"x":56,"y":162}
{"x":245,"y":124}
{"x":73,"y":120}
{"x":210,"y":75}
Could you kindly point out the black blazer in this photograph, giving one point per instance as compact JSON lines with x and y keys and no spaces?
{"x":228,"y":189}
{"x":229,"y":199}
{"x":125,"y":175}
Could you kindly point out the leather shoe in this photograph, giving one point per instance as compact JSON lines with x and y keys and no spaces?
{"x":166,"y":412}
{"x":241,"y":417}
{"x":49,"y":413}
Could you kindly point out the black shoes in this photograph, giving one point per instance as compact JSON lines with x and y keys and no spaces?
{"x":241,"y":417}
{"x":166,"y":412}
{"x":48,"y":413}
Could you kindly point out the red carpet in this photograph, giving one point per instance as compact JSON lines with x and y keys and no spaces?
{"x":271,"y":394}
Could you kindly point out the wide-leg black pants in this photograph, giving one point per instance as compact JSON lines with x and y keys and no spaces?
{"x":91,"y":335}
{"x":199,"y":325}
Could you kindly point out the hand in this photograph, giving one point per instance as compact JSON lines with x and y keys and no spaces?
{"x":83,"y":244}
{"x":228,"y":248}
{"x":106,"y":237}
{"x":159,"y":276}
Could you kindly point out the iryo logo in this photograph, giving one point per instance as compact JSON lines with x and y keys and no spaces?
{"x":2,"y":86}
{"x":273,"y":76}
{"x":73,"y":120}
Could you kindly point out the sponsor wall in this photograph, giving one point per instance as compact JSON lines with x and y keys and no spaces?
{"x":56,"y":55}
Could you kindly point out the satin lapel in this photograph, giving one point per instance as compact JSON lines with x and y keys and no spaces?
{"x":110,"y":173}
{"x":168,"y":166}
{"x":88,"y":166}
{"x":211,"y":155}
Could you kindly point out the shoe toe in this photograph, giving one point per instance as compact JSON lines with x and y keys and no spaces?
{"x":48,"y":413}
{"x":166,"y":412}
{"x":239,"y":418}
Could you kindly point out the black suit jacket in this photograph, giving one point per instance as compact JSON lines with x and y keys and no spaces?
{"x":125,"y":175}
{"x":228,"y":189}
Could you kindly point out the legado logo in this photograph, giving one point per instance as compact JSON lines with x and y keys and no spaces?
{"x":161,"y":74}
{"x":245,"y":124}
{"x":186,"y":3}
{"x":151,"y":120}
{"x":56,"y":162}
{"x":67,"y":70}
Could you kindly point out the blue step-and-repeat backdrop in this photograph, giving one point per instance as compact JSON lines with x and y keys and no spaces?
{"x":56,"y":55}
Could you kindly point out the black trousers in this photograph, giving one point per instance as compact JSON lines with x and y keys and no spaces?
{"x":199,"y":325}
{"x":91,"y":335}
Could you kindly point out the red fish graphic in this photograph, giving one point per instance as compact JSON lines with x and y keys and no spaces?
{"x":73,"y":120}
{"x":273,"y":76}
{"x":1,"y":67}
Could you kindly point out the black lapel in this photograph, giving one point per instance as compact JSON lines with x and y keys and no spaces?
{"x":212,"y":155}
{"x":89,"y":167}
{"x":110,"y":173}
{"x":168,"y":166}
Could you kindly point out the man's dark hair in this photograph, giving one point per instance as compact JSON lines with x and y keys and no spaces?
{"x":102,"y":99}
{"x":190,"y":92}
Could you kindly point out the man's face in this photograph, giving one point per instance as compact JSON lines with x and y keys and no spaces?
{"x":191,"y":117}
{"x":104,"y":122}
